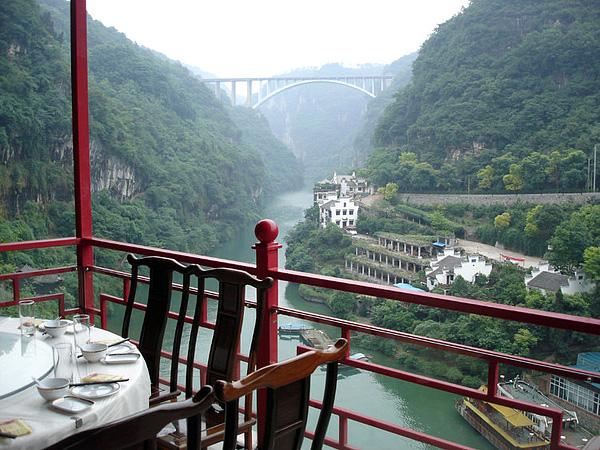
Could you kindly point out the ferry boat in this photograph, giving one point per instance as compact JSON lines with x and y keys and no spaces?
{"x":293,"y":328}
{"x":508,"y":428}
{"x":505,"y":428}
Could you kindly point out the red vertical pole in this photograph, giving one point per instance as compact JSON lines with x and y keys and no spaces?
{"x":267,"y":258}
{"x":81,"y":151}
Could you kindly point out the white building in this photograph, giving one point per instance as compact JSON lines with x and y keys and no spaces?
{"x":343,"y":212}
{"x":350,"y":185}
{"x":448,"y":266}
{"x":547,"y":279}
{"x":324,"y":195}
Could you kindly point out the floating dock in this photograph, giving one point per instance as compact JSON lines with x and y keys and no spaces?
{"x":316,"y":338}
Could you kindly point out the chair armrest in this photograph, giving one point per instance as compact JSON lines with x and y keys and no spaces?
{"x":157,"y":398}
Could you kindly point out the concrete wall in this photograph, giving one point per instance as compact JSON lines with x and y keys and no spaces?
{"x":504,"y":199}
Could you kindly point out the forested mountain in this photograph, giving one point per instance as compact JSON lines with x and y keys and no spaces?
{"x":169,"y":165}
{"x":504,"y":97}
{"x":402,"y":71}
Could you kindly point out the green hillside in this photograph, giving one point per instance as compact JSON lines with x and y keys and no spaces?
{"x":504,"y":97}
{"x":169,"y":165}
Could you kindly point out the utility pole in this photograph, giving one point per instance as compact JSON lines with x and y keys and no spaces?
{"x":594,"y":181}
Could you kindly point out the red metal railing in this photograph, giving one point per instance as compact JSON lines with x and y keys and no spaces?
{"x":267,"y":266}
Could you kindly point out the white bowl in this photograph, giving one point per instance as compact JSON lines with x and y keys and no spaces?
{"x":53,"y":388}
{"x":56,"y":328}
{"x":94,"y":352}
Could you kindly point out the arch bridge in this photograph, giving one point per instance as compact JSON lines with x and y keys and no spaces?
{"x":370,"y":85}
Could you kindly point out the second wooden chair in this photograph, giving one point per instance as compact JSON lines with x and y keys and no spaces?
{"x":288,"y":387}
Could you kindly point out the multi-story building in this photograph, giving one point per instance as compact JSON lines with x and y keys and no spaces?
{"x":581,"y":396}
{"x":342,"y":212}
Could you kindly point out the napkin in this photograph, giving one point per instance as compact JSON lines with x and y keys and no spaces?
{"x":108,"y":341}
{"x":80,"y":420}
{"x":16,"y":427}
{"x":101,"y":377}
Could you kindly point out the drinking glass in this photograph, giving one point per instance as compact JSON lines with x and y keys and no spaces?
{"x":81,"y":330}
{"x":27,"y":317}
{"x":62,"y":355}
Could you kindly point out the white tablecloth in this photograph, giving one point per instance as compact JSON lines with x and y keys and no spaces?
{"x":49,"y":425}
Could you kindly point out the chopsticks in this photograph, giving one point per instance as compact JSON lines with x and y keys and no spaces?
{"x":119,"y":342}
{"x":111,"y":345}
{"x":88,"y":383}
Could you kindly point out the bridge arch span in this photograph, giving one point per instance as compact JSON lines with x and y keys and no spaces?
{"x":299,"y":83}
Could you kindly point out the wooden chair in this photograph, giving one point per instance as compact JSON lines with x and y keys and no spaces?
{"x":222,"y":358}
{"x":139,"y":430}
{"x":158,"y":304}
{"x":288,"y":389}
{"x":223,"y":355}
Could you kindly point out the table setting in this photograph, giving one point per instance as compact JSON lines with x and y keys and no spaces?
{"x":62,"y":375}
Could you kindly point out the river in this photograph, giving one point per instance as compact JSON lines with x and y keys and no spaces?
{"x":398,"y":402}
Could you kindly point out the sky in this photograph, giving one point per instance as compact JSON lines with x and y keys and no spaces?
{"x":263,"y":38}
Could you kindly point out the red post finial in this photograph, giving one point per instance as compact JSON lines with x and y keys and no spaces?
{"x":266,"y":231}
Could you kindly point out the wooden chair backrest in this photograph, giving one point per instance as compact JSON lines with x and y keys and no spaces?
{"x":139,"y":430}
{"x":222,"y":357}
{"x":158,"y":304}
{"x":288,"y":388}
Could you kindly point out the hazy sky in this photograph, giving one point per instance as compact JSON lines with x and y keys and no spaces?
{"x":261,"y":38}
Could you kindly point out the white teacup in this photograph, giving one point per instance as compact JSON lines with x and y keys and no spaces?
{"x":56,"y":328}
{"x":94,"y":352}
{"x":53,"y":388}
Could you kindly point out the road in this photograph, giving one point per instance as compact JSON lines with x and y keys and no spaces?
{"x":492,"y":252}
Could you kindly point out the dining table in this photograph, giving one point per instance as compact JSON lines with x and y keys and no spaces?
{"x":24,"y":358}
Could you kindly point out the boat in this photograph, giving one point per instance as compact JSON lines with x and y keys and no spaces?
{"x":504,"y":427}
{"x":508,"y":428}
{"x":356,"y":357}
{"x":360,"y":357}
{"x":293,"y":328}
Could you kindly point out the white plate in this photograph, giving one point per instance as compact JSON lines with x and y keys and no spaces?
{"x":92,"y":391}
{"x":42,"y":326}
{"x":125,"y":347}
{"x":71,"y":405}
{"x":121,"y":358}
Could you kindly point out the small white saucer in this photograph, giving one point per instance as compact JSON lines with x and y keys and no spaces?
{"x":120,"y":358}
{"x":71,"y":405}
{"x":93,"y":391}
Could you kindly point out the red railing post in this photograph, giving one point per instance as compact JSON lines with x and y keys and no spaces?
{"x":81,"y":151}
{"x":266,"y":232}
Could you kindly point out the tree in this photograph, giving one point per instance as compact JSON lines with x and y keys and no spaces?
{"x":502,"y":221}
{"x":542,"y":220}
{"x":524,"y":341}
{"x":568,"y":245}
{"x":573,"y":169}
{"x":485,"y":177}
{"x":591,"y":263}
{"x":423,"y":176}
{"x":534,"y":170}
{"x":342,"y":303}
{"x":513,"y":181}
{"x":389,"y":191}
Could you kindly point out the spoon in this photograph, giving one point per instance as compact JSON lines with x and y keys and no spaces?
{"x":36,"y":381}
